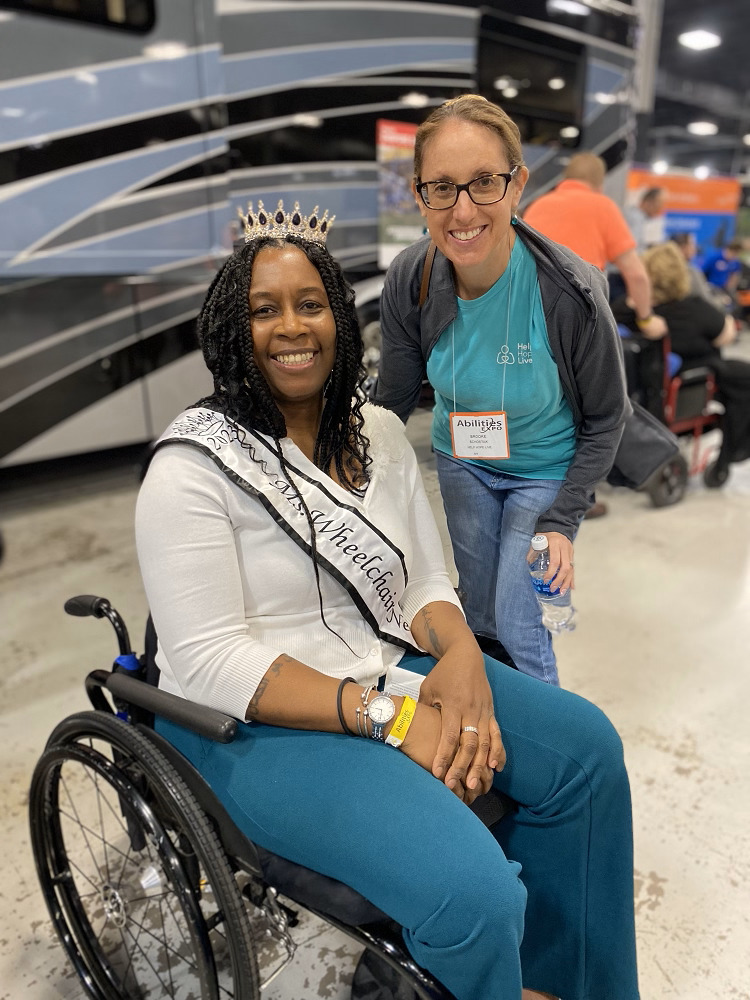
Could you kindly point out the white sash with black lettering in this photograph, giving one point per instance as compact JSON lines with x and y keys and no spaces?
{"x":349,"y":547}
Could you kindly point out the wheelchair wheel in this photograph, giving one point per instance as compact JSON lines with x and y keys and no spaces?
{"x":136,"y":881}
{"x":375,"y":979}
{"x":715,"y":475}
{"x":667,"y":486}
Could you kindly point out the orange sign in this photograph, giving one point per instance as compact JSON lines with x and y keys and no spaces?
{"x":687,"y":195}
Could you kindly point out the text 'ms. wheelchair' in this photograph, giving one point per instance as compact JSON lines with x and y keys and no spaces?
{"x":152,"y":889}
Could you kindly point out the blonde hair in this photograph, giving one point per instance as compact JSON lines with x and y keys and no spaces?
{"x":479,"y":111}
{"x":668,"y":271}
{"x":587,"y":167}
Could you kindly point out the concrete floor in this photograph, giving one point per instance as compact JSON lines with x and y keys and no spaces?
{"x":664,"y":609}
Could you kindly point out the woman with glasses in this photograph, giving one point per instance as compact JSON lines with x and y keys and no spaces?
{"x":517,"y":339}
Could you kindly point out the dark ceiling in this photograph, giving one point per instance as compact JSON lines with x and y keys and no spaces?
{"x":712,"y":85}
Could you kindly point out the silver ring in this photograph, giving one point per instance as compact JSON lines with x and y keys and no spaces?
{"x":470,"y":729}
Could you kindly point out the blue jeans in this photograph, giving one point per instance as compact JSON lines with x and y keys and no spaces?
{"x":491,"y":520}
{"x":544,"y":900}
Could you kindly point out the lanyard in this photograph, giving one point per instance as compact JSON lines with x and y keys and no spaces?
{"x":507,"y":331}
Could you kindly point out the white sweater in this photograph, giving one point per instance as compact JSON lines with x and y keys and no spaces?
{"x":229,"y":591}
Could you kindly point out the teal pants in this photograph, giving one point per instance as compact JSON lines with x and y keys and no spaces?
{"x":545,"y":900}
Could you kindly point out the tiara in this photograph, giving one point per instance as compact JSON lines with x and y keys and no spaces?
{"x":281,"y":223}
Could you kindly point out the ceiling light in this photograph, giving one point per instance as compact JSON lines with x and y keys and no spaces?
{"x":569,"y":132}
{"x":414,"y":99}
{"x":510,"y":92}
{"x":702,"y":172}
{"x":746,"y":139}
{"x":556,"y":83}
{"x":660,"y":166}
{"x":502,"y":82}
{"x":603,"y":98}
{"x":703,"y":128}
{"x":567,"y":7}
{"x":699,"y":39}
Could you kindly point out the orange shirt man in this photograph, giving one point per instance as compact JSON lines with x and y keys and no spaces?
{"x":582,"y":218}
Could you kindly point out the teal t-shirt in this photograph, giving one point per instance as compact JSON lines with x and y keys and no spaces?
{"x":500,"y":359}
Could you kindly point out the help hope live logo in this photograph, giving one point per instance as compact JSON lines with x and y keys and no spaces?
{"x":523,"y":354}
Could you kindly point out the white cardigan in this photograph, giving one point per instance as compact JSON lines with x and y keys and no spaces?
{"x":229,"y":591}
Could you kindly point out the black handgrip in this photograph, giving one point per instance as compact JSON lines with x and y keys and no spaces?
{"x":85,"y":605}
{"x":200,"y":719}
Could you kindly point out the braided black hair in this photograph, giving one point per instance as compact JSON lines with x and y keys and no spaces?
{"x":241,"y":391}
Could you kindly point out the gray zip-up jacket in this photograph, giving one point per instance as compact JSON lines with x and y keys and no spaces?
{"x":582,"y":334}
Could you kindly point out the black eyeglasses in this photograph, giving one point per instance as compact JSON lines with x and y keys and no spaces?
{"x":484,"y":190}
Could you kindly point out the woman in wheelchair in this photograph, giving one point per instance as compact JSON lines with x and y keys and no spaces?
{"x":697,"y":331}
{"x":296,"y":581}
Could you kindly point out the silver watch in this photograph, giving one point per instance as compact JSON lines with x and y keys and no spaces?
{"x":380,"y":711}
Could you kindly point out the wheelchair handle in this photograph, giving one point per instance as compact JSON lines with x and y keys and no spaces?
{"x":88,"y":605}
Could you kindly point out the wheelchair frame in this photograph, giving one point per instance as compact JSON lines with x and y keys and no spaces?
{"x":176,"y":856}
{"x":683,"y":401}
{"x":687,"y":397}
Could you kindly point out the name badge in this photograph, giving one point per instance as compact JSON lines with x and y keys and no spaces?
{"x":480,"y":435}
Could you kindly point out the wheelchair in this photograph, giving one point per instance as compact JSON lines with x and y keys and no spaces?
{"x":683,"y":400}
{"x":152,"y":889}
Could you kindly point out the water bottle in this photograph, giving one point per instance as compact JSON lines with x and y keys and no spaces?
{"x":558,"y":613}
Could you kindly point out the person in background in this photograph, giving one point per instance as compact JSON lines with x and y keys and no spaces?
{"x":722,"y":267}
{"x":291,"y":563}
{"x":686,"y":244}
{"x":646,"y":219}
{"x":698,"y":330}
{"x":582,"y":218}
{"x":518,"y":340}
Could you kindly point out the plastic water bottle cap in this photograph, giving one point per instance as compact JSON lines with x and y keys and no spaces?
{"x":539,"y":543}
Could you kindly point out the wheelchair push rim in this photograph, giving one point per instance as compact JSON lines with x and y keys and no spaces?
{"x":137,"y":884}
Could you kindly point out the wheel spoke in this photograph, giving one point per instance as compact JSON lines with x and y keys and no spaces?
{"x":143,"y":900}
{"x":76,"y":819}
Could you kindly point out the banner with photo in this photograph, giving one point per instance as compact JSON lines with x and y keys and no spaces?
{"x":399,"y":221}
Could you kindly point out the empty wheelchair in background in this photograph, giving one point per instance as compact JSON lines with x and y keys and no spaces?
{"x":684,"y":401}
{"x":152,"y":889}
{"x":691,"y":409}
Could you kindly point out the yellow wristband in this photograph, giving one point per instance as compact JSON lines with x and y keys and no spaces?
{"x":645,"y":321}
{"x":400,"y":728}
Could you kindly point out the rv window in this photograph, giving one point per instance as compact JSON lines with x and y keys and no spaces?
{"x":128,"y":15}
{"x":537,"y":77}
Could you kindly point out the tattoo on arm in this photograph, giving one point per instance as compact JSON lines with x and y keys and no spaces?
{"x":431,"y":632}
{"x":275,"y":670}
{"x":252,"y":708}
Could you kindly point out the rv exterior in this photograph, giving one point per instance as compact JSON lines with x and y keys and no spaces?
{"x":132,"y":130}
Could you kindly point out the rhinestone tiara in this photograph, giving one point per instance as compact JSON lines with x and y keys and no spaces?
{"x":278,"y":224}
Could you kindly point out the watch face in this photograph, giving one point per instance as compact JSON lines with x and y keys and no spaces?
{"x":381,"y":709}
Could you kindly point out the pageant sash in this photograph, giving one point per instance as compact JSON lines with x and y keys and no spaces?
{"x":349,"y":547}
